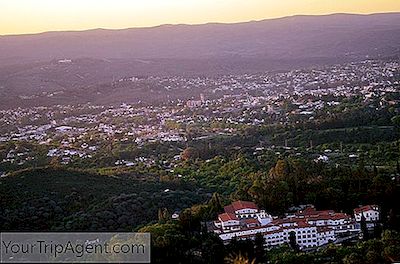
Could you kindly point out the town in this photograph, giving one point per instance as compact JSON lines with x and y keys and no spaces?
{"x":225,"y":107}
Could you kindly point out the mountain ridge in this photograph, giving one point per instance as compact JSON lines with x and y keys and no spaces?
{"x":295,"y":37}
{"x":33,"y":65}
{"x":198,"y":24}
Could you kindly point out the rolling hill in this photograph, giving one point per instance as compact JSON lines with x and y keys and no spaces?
{"x":29,"y":64}
{"x":47,"y":199}
{"x":296,"y":37}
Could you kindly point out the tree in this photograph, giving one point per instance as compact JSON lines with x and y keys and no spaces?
{"x":239,"y":259}
{"x":292,"y":241}
{"x":54,"y":162}
{"x":353,"y":258}
{"x":259,"y":251}
{"x":392,"y":220}
{"x":396,"y":120}
{"x":281,"y":170}
{"x":169,"y":245}
{"x":391,"y":243}
{"x":213,"y":250}
{"x":375,"y":171}
{"x":189,"y":154}
{"x":163,"y":215}
{"x":238,"y":247}
{"x":363,"y":226}
{"x":215,"y":204}
{"x":189,"y":222}
{"x":373,"y":257}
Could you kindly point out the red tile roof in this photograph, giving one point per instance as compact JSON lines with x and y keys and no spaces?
{"x":303,"y":224}
{"x":311,"y":211}
{"x":307,"y":211}
{"x":334,"y":216}
{"x":276,"y":222}
{"x":338,"y":216}
{"x":311,"y":214}
{"x":251,"y":221}
{"x":365,"y":208}
{"x":240,"y":205}
{"x":229,"y":209}
{"x":227,"y":217}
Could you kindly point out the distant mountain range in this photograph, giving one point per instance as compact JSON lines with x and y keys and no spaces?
{"x":290,"y":38}
{"x":30,"y":64}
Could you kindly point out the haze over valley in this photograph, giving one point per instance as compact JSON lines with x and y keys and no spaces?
{"x":68,"y":64}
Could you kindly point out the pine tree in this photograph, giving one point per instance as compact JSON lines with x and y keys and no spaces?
{"x":363,"y":226}
{"x":215,"y":204}
{"x":163,"y":215}
{"x":292,"y":241}
{"x":375,"y":170}
{"x":259,"y":248}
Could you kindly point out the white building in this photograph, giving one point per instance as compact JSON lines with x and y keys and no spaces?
{"x":228,"y":222}
{"x":242,"y":209}
{"x":312,"y":228}
{"x":370,"y":212}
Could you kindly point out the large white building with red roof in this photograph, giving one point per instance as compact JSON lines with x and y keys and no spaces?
{"x":242,"y":209}
{"x":228,"y":222}
{"x":312,"y":228}
{"x":241,"y":215}
{"x":370,"y":213}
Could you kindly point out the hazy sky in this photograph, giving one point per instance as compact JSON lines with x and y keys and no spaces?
{"x":28,"y":16}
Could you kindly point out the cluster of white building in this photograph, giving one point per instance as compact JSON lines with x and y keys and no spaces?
{"x":312,"y":228}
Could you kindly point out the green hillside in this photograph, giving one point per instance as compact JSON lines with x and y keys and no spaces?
{"x":60,"y":199}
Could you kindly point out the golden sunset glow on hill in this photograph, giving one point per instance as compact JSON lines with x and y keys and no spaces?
{"x":27,"y":16}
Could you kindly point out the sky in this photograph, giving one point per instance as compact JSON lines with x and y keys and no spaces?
{"x":33,"y":16}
